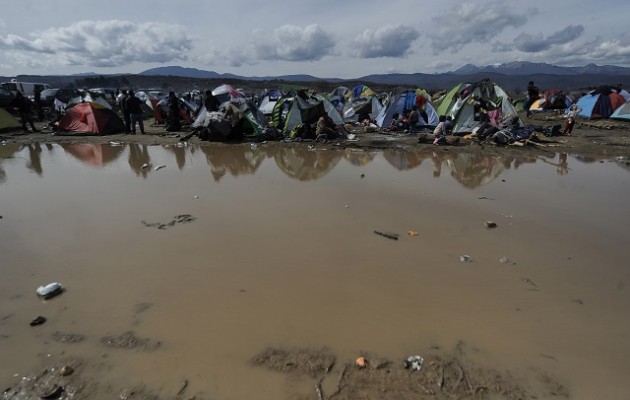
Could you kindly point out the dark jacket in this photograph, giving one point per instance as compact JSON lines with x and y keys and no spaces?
{"x":134,"y":105}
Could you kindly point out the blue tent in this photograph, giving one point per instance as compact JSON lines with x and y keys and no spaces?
{"x":595,"y":105}
{"x":405,"y":101}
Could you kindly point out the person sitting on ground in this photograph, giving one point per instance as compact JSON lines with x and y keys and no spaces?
{"x":567,"y":127}
{"x":24,"y":106}
{"x":324,"y":129}
{"x":439,"y":133}
{"x":397,"y":123}
{"x":448,"y":124}
{"x":414,"y":117}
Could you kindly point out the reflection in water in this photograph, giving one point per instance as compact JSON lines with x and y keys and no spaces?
{"x":94,"y":154}
{"x":180,"y":155}
{"x":404,"y":160}
{"x":306,"y":165}
{"x":138,"y":156}
{"x":7,"y":151}
{"x":470,"y":169}
{"x":358,"y":157}
{"x":237,"y":160}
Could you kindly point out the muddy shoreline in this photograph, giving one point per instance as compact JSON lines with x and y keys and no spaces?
{"x":603,"y":139}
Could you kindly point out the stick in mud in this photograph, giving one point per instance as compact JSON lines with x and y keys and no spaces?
{"x":388,"y":235}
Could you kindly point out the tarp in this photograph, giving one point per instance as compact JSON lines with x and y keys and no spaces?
{"x":7,"y":121}
{"x":91,"y":118}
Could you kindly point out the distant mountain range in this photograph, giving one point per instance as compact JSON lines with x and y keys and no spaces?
{"x":511,"y":76}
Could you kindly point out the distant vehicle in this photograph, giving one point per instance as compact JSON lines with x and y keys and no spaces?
{"x":108,"y":93}
{"x":26,"y":88}
{"x":48,"y":96}
{"x":6,"y":97}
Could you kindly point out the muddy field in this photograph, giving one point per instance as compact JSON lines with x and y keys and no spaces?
{"x":433,"y":373}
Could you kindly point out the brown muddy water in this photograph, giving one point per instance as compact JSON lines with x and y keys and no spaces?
{"x":282,"y":253}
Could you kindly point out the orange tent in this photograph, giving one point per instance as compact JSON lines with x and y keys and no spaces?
{"x":91,"y":118}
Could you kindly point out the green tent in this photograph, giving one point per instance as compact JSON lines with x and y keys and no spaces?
{"x":7,"y":121}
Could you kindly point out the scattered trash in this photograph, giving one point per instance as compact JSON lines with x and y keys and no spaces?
{"x":465,"y":258}
{"x":49,"y":291}
{"x":145,"y":166}
{"x":352,"y":136}
{"x":347,"y":206}
{"x":485,"y":198}
{"x":362,"y":176}
{"x":505,"y":260}
{"x":253,"y":146}
{"x":388,"y":235}
{"x":178,"y":219}
{"x":578,"y":301}
{"x":412,"y":233}
{"x":361,"y":362}
{"x":195,"y":197}
{"x":116,"y":144}
{"x":159,"y":167}
{"x":66,"y":370}
{"x":38,"y":321}
{"x":490,"y":224}
{"x":414,"y":363}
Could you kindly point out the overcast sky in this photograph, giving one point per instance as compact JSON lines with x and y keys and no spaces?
{"x":323,"y":38}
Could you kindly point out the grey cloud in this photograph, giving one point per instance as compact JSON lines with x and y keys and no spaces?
{"x":387,"y":41}
{"x":105,"y":43}
{"x":534,"y":43}
{"x":292,"y":43}
{"x":473,"y":22}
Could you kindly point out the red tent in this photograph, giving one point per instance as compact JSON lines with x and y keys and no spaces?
{"x":91,"y":118}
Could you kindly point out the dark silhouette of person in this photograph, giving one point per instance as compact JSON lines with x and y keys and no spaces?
{"x":25,"y":107}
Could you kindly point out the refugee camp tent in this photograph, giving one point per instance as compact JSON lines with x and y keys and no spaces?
{"x":91,"y":118}
{"x":88,"y":97}
{"x":7,"y":121}
{"x":338,"y":97}
{"x":361,"y":103}
{"x":555,"y":99}
{"x":445,"y":103}
{"x":225,"y":93}
{"x":622,"y":112}
{"x":269,"y":100}
{"x":303,"y":108}
{"x":231,"y":122}
{"x":405,"y":101}
{"x":600,"y":103}
{"x":472,"y":100}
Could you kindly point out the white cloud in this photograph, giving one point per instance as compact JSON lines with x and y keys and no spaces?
{"x":473,"y":22}
{"x":387,"y":41}
{"x":292,"y":43}
{"x":103,"y":43}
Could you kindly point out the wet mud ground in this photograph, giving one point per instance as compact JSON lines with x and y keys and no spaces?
{"x":444,"y":373}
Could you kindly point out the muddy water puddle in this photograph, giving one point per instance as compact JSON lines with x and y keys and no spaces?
{"x":181,"y":264}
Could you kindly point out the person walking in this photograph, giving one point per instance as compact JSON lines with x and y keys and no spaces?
{"x":24,"y":106}
{"x":134,"y":107}
{"x":533,"y":93}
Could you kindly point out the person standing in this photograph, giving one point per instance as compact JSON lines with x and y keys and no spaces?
{"x":122,"y":103}
{"x":533,"y":93}
{"x":24,"y":107}
{"x":567,"y":127}
{"x":134,"y":107}
{"x":210,"y":102}
{"x":173,"y":124}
